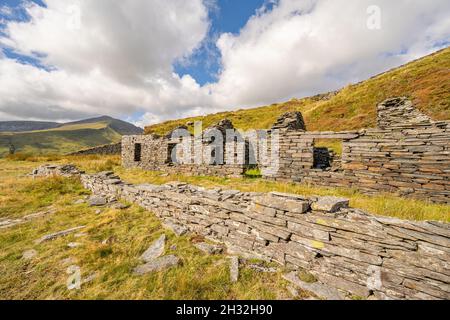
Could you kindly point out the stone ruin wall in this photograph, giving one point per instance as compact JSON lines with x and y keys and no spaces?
{"x":155,"y":155}
{"x":408,"y":154}
{"x":108,"y":149}
{"x":408,"y":161}
{"x":351,"y":250}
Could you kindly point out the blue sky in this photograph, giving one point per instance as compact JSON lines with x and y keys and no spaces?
{"x":18,"y":15}
{"x":230,"y":16}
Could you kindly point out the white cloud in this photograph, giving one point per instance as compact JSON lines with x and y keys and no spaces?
{"x":116,"y":57}
{"x":306,"y":47}
{"x":106,"y":57}
{"x":5,"y":10}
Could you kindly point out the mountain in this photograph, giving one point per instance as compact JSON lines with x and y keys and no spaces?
{"x":50,"y":137}
{"x":122,"y":127}
{"x":20,"y":126}
{"x":426,"y":81}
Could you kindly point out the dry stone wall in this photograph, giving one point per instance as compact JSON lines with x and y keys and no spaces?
{"x":358,"y":253}
{"x":108,"y":149}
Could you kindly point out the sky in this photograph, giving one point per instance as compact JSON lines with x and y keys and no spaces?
{"x":146,"y":61}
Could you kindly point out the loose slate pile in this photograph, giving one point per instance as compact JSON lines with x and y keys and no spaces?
{"x":67,"y":170}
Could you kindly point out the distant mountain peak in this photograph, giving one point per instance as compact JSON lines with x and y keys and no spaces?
{"x":120,"y":126}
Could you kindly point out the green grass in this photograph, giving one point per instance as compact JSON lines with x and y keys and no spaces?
{"x":61,"y":140}
{"x":426,"y":82}
{"x":253,"y":173}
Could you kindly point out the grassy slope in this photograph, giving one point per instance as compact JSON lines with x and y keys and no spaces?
{"x":65,"y":139}
{"x":425,"y":81}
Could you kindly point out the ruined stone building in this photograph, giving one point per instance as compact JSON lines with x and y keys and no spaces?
{"x":407,"y":154}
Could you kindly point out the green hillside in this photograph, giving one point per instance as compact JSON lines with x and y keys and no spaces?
{"x":67,"y":138}
{"x":426,"y":81}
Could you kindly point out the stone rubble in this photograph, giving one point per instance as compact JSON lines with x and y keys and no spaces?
{"x":29,"y":254}
{"x":408,"y":154}
{"x":209,"y":248}
{"x":290,"y":121}
{"x":97,"y":201}
{"x":348,"y":249}
{"x":108,"y":149}
{"x":179,"y":230}
{"x":318,"y":289}
{"x":158,"y":264}
{"x":234,"y":269}
{"x":59,"y":234}
{"x":263,"y":269}
{"x":8,"y":223}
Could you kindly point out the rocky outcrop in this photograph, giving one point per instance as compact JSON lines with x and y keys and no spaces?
{"x":9,"y":223}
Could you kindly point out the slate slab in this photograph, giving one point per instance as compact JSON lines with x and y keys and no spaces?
{"x":158,"y":264}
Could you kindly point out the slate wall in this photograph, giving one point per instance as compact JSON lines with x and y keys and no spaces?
{"x":108,"y":149}
{"x":365,"y":255}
